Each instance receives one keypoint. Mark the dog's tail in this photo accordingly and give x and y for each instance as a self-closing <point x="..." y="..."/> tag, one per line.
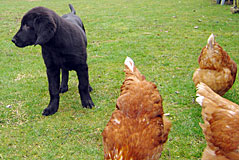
<point x="73" y="11"/>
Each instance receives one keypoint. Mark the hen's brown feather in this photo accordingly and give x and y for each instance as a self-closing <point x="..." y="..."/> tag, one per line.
<point x="221" y="125"/>
<point x="137" y="128"/>
<point x="217" y="69"/>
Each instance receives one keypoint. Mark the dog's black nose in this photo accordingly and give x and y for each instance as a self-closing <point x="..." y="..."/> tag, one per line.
<point x="14" y="40"/>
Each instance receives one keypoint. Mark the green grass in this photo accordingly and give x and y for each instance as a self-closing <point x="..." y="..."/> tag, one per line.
<point x="160" y="37"/>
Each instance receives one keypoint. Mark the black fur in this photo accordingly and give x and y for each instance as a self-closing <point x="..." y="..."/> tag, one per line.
<point x="63" y="41"/>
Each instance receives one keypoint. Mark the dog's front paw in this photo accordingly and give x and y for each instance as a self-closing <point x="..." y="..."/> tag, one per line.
<point x="88" y="104"/>
<point x="49" y="111"/>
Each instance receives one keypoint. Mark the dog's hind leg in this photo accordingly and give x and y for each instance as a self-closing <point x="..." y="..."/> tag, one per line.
<point x="64" y="81"/>
<point x="90" y="88"/>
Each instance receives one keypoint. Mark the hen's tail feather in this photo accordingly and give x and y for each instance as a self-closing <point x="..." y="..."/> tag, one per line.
<point x="210" y="41"/>
<point x="73" y="11"/>
<point x="167" y="125"/>
<point x="129" y="63"/>
<point x="131" y="70"/>
<point x="207" y="96"/>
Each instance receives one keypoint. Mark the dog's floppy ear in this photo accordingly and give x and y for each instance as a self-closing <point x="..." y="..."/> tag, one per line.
<point x="45" y="28"/>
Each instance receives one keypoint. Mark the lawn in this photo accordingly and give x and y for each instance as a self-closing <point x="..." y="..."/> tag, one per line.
<point x="163" y="37"/>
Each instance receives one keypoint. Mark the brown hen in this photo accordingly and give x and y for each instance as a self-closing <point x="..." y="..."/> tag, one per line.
<point x="217" y="69"/>
<point x="221" y="125"/>
<point x="137" y="129"/>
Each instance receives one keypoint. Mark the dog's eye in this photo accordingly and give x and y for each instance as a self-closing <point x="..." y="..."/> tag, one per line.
<point x="26" y="27"/>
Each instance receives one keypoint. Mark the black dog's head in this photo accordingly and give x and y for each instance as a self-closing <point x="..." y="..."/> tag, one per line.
<point x="38" y="26"/>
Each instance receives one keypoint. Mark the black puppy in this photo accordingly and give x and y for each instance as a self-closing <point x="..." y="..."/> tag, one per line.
<point x="63" y="42"/>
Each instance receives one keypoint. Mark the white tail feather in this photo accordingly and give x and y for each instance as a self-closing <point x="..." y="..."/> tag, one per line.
<point x="211" y="41"/>
<point x="199" y="99"/>
<point x="129" y="63"/>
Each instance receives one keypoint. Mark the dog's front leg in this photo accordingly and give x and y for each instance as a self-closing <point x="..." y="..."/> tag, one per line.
<point x="53" y="75"/>
<point x="84" y="86"/>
